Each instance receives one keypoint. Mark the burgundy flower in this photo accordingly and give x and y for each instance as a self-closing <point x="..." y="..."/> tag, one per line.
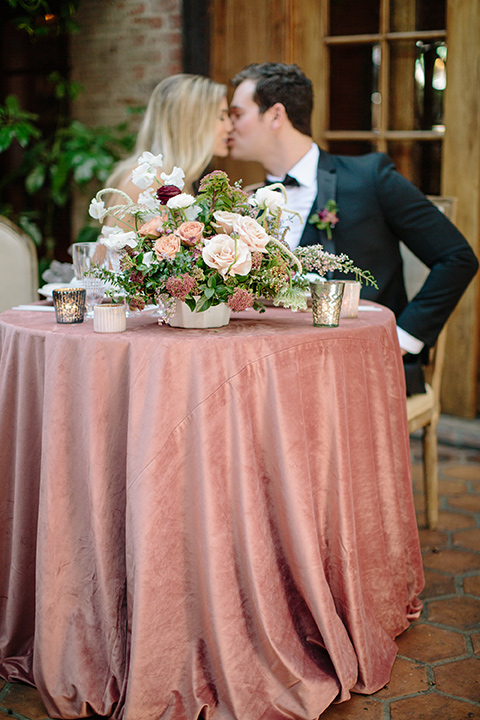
<point x="166" y="192"/>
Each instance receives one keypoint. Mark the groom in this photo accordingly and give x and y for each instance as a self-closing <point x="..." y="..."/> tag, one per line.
<point x="377" y="207"/>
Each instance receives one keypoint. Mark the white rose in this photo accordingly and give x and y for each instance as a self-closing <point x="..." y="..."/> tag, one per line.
<point x="178" y="202"/>
<point x="227" y="255"/>
<point x="252" y="233"/>
<point x="225" y="220"/>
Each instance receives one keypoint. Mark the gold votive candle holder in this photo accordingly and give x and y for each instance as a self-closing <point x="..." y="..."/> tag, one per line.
<point x="351" y="297"/>
<point x="69" y="303"/>
<point x="326" y="302"/>
<point x="109" y="318"/>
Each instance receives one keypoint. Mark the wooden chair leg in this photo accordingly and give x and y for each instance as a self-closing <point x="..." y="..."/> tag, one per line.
<point x="430" y="474"/>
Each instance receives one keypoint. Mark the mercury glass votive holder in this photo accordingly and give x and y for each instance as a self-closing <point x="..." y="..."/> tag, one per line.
<point x="326" y="302"/>
<point x="351" y="297"/>
<point x="109" y="318"/>
<point x="69" y="303"/>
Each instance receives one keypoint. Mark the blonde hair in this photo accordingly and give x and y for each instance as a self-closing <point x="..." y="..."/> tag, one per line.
<point x="179" y="123"/>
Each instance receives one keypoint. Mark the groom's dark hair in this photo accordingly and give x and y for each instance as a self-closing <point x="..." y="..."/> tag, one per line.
<point x="286" y="84"/>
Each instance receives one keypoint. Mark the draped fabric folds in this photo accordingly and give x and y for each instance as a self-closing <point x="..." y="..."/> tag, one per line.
<point x="218" y="520"/>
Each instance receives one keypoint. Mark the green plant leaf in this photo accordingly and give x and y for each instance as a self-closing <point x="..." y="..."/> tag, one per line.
<point x="7" y="136"/>
<point x="35" y="180"/>
<point x="203" y="304"/>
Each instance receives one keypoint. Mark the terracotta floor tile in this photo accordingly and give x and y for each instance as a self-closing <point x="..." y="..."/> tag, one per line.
<point x="468" y="502"/>
<point x="432" y="706"/>
<point x="460" y="612"/>
<point x="426" y="643"/>
<point x="24" y="699"/>
<point x="432" y="539"/>
<point x="461" y="679"/>
<point x="454" y="521"/>
<point x="452" y="487"/>
<point x="407" y="677"/>
<point x="452" y="561"/>
<point x="469" y="539"/>
<point x="437" y="584"/>
<point x="447" y="455"/>
<point x="471" y="585"/>
<point x="462" y="472"/>
<point x="359" y="706"/>
<point x="476" y="643"/>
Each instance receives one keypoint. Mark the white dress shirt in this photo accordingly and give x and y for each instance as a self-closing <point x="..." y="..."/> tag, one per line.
<point x="300" y="199"/>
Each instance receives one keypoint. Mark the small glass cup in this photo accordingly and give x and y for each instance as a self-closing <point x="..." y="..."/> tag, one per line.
<point x="326" y="302"/>
<point x="86" y="258"/>
<point x="69" y="303"/>
<point x="351" y="297"/>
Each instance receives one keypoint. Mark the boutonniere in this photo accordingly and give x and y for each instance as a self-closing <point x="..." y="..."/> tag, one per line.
<point x="326" y="219"/>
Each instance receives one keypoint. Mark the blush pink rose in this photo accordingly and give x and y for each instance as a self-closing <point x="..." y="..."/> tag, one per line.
<point x="153" y="228"/>
<point x="227" y="255"/>
<point x="251" y="233"/>
<point x="190" y="233"/>
<point x="167" y="245"/>
<point x="224" y="221"/>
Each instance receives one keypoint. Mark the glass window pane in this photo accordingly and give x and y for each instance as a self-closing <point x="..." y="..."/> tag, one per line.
<point x="350" y="17"/>
<point x="417" y="15"/>
<point x="420" y="162"/>
<point x="418" y="80"/>
<point x="353" y="84"/>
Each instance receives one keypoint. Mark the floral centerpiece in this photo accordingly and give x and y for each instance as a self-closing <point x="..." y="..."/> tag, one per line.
<point x="220" y="246"/>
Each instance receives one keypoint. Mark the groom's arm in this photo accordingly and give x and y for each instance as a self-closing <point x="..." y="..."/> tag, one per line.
<point x="426" y="231"/>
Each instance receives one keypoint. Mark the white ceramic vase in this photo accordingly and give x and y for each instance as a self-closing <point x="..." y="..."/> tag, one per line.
<point x="216" y="316"/>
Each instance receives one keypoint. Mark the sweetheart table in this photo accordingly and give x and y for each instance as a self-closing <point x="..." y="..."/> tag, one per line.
<point x="204" y="521"/>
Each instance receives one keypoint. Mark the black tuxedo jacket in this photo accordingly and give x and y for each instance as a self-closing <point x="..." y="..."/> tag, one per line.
<point x="378" y="207"/>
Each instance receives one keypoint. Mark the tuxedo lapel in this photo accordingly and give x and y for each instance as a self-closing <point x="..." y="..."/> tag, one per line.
<point x="326" y="190"/>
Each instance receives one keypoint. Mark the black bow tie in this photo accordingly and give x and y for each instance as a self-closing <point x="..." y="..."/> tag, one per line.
<point x="290" y="181"/>
<point x="287" y="181"/>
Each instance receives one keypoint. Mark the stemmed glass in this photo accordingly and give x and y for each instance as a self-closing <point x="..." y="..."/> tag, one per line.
<point x="86" y="257"/>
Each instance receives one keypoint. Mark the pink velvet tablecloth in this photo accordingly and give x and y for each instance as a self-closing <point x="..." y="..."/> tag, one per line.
<point x="217" y="519"/>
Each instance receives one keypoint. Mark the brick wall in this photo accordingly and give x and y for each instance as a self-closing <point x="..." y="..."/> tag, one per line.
<point x="122" y="50"/>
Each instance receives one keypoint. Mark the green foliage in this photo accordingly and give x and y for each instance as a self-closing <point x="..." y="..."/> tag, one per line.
<point x="43" y="17"/>
<point x="54" y="164"/>
<point x="16" y="124"/>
